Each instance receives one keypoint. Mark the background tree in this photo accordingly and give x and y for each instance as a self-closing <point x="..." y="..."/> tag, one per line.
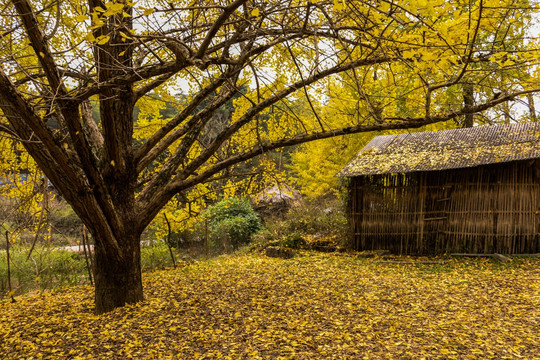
<point x="23" y="191"/>
<point x="60" y="57"/>
<point x="315" y="164"/>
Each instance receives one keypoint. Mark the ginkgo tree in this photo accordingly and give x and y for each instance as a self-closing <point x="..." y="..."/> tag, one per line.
<point x="60" y="59"/>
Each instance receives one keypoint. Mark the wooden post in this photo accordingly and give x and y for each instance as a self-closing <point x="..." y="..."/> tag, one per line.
<point x="169" y="239"/>
<point x="9" y="268"/>
<point x="206" y="236"/>
<point x="44" y="208"/>
<point x="225" y="241"/>
<point x="420" y="244"/>
<point x="84" y="240"/>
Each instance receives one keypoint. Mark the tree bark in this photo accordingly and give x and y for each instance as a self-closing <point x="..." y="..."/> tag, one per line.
<point x="468" y="101"/>
<point x="532" y="110"/>
<point x="117" y="278"/>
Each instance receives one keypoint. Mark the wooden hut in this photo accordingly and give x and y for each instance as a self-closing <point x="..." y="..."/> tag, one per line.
<point x="465" y="190"/>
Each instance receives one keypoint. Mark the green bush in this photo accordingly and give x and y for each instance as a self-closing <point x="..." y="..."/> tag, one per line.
<point x="312" y="219"/>
<point x="232" y="220"/>
<point x="155" y="256"/>
<point x="308" y="226"/>
<point x="294" y="240"/>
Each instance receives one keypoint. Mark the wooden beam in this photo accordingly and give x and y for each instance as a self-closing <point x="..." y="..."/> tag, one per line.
<point x="495" y="256"/>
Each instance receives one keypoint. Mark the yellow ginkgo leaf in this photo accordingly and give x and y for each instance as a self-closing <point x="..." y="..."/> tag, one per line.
<point x="90" y="37"/>
<point x="102" y="40"/>
<point x="148" y="12"/>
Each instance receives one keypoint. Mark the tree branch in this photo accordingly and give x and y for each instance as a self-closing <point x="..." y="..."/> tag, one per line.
<point x="253" y="111"/>
<point x="148" y="151"/>
<point x="52" y="158"/>
<point x="217" y="24"/>
<point x="39" y="44"/>
<point x="68" y="108"/>
<point x="389" y="124"/>
<point x="193" y="129"/>
<point x="145" y="89"/>
<point x="95" y="138"/>
<point x="156" y="192"/>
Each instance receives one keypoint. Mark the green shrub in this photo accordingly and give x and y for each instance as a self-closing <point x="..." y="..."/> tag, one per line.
<point x="232" y="220"/>
<point x="293" y="240"/>
<point x="155" y="256"/>
<point x="307" y="226"/>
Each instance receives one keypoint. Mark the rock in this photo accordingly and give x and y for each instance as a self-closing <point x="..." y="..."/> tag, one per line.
<point x="279" y="193"/>
<point x="278" y="252"/>
<point x="365" y="255"/>
<point x="501" y="257"/>
<point x="187" y="258"/>
<point x="277" y="199"/>
<point x="324" y="248"/>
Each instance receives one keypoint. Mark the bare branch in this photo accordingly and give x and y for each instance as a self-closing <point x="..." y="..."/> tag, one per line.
<point x="65" y="72"/>
<point x="217" y="24"/>
<point x="39" y="44"/>
<point x="143" y="157"/>
<point x="143" y="90"/>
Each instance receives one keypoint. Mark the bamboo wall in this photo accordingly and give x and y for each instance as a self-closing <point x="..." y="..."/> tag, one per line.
<point x="493" y="208"/>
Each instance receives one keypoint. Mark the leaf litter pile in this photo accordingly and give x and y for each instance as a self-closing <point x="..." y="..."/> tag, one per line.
<point x="315" y="306"/>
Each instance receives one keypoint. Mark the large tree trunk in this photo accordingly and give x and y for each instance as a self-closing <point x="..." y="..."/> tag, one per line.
<point x="118" y="278"/>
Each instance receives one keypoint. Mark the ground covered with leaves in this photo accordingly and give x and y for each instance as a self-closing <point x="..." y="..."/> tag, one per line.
<point x="311" y="306"/>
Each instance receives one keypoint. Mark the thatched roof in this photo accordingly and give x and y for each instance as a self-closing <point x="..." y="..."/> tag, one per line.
<point x="448" y="149"/>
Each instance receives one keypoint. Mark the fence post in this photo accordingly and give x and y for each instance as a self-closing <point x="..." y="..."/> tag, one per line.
<point x="85" y="242"/>
<point x="169" y="240"/>
<point x="9" y="268"/>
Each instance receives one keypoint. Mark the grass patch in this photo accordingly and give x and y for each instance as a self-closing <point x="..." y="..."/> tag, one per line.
<point x="156" y="256"/>
<point x="47" y="268"/>
<point x="312" y="306"/>
<point x="50" y="268"/>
